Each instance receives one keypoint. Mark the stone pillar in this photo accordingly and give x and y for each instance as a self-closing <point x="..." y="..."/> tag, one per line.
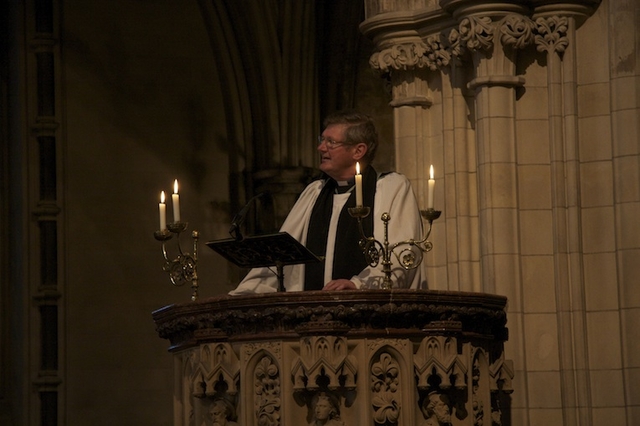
<point x="524" y="172"/>
<point x="494" y="83"/>
<point x="411" y="64"/>
<point x="555" y="28"/>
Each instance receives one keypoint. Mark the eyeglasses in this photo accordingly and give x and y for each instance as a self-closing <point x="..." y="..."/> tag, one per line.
<point x="331" y="144"/>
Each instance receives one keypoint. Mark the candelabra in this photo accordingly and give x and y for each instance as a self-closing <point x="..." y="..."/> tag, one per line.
<point x="409" y="254"/>
<point x="182" y="269"/>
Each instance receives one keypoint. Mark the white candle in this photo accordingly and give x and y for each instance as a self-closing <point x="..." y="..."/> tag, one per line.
<point x="176" y="202"/>
<point x="358" y="186"/>
<point x="432" y="184"/>
<point x="162" y="207"/>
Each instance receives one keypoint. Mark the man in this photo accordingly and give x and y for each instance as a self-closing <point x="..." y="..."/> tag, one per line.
<point x="435" y="408"/>
<point x="325" y="410"/>
<point x="221" y="412"/>
<point x="320" y="219"/>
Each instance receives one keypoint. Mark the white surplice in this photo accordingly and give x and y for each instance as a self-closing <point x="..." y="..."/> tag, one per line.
<point x="393" y="195"/>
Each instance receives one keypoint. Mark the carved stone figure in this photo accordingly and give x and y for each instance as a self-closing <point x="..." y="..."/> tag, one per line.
<point x="222" y="413"/>
<point x="326" y="410"/>
<point x="435" y="408"/>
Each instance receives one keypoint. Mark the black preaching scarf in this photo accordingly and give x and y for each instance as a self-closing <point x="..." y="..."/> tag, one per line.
<point x="348" y="258"/>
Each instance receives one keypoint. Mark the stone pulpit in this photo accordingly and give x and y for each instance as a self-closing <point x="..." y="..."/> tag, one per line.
<point x="353" y="358"/>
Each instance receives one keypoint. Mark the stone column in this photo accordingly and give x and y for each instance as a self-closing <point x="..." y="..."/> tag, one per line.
<point x="555" y="27"/>
<point x="514" y="150"/>
<point x="494" y="83"/>
<point x="412" y="66"/>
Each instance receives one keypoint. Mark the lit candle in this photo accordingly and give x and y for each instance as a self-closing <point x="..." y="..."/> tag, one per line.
<point x="163" y="212"/>
<point x="358" y="186"/>
<point x="176" y="202"/>
<point x="432" y="184"/>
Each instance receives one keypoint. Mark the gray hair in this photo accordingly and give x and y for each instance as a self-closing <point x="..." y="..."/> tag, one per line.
<point x="361" y="129"/>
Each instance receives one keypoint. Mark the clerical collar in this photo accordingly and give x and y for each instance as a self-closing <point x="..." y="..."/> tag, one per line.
<point x="343" y="186"/>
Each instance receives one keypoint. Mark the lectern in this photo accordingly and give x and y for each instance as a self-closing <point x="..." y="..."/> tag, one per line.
<point x="270" y="250"/>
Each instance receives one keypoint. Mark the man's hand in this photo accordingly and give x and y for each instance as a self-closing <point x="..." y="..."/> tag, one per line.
<point x="340" y="284"/>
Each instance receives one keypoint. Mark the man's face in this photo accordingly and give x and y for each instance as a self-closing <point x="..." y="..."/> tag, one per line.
<point x="323" y="409"/>
<point x="218" y="414"/>
<point x="337" y="162"/>
<point x="441" y="411"/>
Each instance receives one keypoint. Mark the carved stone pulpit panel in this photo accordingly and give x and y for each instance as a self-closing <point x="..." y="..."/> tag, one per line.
<point x="374" y="357"/>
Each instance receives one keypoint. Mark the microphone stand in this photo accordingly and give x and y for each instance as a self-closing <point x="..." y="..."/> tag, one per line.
<point x="237" y="220"/>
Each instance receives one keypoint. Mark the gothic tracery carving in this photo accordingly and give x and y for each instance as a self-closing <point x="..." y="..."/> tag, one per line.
<point x="438" y="356"/>
<point x="215" y="369"/>
<point x="500" y="374"/>
<point x="324" y="357"/>
<point x="274" y="348"/>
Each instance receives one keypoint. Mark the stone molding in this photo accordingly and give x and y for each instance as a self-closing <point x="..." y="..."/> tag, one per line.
<point x="354" y="312"/>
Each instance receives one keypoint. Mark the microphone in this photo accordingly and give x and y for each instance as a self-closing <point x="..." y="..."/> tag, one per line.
<point x="234" y="230"/>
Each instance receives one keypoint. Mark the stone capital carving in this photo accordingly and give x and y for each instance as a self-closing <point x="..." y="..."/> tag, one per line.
<point x="551" y="34"/>
<point x="476" y="33"/>
<point x="480" y="30"/>
<point x="517" y="31"/>
<point x="410" y="55"/>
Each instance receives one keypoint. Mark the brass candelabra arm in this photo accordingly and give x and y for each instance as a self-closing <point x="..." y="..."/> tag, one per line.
<point x="369" y="245"/>
<point x="183" y="268"/>
<point x="359" y="212"/>
<point x="430" y="215"/>
<point x="408" y="253"/>
<point x="372" y="250"/>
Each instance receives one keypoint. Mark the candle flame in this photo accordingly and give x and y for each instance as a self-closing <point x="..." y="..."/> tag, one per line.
<point x="162" y="197"/>
<point x="175" y="186"/>
<point x="357" y="168"/>
<point x="431" y="172"/>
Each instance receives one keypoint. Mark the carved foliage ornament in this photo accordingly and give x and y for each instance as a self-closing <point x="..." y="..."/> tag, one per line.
<point x="474" y="34"/>
<point x="267" y="392"/>
<point x="416" y="55"/>
<point x="385" y="387"/>
<point x="551" y="34"/>
<point x="517" y="31"/>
